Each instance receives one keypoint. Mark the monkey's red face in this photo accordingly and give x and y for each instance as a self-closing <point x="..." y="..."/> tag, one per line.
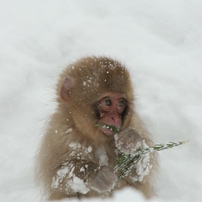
<point x="111" y="107"/>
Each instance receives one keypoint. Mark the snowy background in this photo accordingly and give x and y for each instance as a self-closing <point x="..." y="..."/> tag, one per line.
<point x="159" y="41"/>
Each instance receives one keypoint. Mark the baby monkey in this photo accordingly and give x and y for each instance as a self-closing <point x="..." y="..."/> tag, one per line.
<point x="76" y="158"/>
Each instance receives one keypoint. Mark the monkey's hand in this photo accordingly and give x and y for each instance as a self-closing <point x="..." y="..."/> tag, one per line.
<point x="104" y="180"/>
<point x="128" y="141"/>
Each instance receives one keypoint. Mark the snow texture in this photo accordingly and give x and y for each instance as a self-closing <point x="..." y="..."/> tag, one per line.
<point x="78" y="185"/>
<point x="160" y="42"/>
<point x="102" y="156"/>
<point x="75" y="183"/>
<point x="143" y="166"/>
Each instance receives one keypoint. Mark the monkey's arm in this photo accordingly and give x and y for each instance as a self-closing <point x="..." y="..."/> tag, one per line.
<point x="128" y="141"/>
<point x="71" y="179"/>
<point x="80" y="177"/>
<point x="72" y="176"/>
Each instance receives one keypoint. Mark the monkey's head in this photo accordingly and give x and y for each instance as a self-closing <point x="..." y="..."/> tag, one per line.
<point x="96" y="90"/>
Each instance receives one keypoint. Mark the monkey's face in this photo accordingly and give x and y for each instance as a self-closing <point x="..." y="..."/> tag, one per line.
<point x="111" y="107"/>
<point x="97" y="91"/>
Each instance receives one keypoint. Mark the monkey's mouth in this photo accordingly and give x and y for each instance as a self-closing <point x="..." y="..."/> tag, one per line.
<point x="107" y="129"/>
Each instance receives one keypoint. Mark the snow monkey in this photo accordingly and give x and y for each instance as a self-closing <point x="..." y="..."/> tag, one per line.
<point x="76" y="158"/>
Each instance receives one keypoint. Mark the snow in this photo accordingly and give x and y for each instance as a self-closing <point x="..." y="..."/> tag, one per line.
<point x="89" y="149"/>
<point x="143" y="167"/>
<point x="160" y="42"/>
<point x="60" y="176"/>
<point x="68" y="130"/>
<point x="78" y="185"/>
<point x="102" y="156"/>
<point x="73" y="182"/>
<point x="74" y="145"/>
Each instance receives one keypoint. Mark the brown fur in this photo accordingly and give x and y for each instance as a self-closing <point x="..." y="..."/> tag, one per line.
<point x="74" y="122"/>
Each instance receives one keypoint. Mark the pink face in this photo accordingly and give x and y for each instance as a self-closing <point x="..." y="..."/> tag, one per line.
<point x="111" y="107"/>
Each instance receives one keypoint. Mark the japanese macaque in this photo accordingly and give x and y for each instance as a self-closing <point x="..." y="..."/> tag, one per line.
<point x="76" y="158"/>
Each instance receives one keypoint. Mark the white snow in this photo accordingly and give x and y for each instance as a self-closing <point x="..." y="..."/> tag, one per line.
<point x="78" y="185"/>
<point x="143" y="167"/>
<point x="73" y="182"/>
<point x="89" y="149"/>
<point x="61" y="173"/>
<point x="74" y="145"/>
<point x="102" y="156"/>
<point x="160" y="42"/>
<point x="68" y="130"/>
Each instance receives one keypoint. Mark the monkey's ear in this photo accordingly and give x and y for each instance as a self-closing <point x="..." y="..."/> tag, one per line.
<point x="68" y="84"/>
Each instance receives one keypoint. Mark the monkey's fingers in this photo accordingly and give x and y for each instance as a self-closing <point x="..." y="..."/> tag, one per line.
<point x="128" y="141"/>
<point x="104" y="181"/>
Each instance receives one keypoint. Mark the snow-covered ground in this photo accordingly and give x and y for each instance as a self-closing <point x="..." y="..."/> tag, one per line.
<point x="160" y="42"/>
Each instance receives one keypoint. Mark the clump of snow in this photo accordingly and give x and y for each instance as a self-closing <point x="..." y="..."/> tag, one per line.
<point x="116" y="137"/>
<point x="72" y="153"/>
<point x="103" y="160"/>
<point x="140" y="145"/>
<point x="61" y="173"/>
<point x="89" y="149"/>
<point x="72" y="181"/>
<point x="74" y="145"/>
<point x="78" y="185"/>
<point x="68" y="130"/>
<point x="143" y="167"/>
<point x="102" y="156"/>
<point x="82" y="169"/>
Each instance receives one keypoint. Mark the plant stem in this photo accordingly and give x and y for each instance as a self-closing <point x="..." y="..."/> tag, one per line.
<point x="113" y="128"/>
<point x="126" y="162"/>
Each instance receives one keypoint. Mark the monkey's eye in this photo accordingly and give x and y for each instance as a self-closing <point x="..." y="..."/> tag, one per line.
<point x="121" y="103"/>
<point x="107" y="102"/>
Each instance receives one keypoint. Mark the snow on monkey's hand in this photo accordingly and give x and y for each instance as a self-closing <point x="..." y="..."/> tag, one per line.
<point x="128" y="141"/>
<point x="104" y="180"/>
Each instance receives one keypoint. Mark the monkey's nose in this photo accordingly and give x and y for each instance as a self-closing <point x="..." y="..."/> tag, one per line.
<point x="115" y="119"/>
